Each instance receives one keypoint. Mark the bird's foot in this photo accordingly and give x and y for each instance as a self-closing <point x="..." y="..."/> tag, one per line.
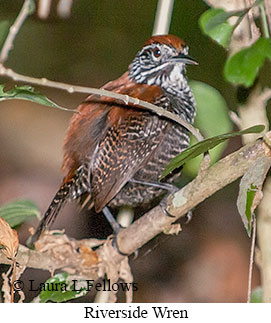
<point x="116" y="229"/>
<point x="116" y="246"/>
<point x="163" y="205"/>
<point x="171" y="189"/>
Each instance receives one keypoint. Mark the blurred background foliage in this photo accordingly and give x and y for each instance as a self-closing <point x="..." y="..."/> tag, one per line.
<point x="208" y="260"/>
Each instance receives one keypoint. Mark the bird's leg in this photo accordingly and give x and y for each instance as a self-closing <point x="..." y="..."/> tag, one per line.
<point x="112" y="221"/>
<point x="170" y="188"/>
<point x="165" y="186"/>
<point x="116" y="228"/>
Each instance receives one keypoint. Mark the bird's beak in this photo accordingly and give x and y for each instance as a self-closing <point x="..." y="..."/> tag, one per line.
<point x="182" y="58"/>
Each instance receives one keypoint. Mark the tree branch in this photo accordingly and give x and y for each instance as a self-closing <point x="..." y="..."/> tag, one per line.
<point x="14" y="29"/>
<point x="89" y="90"/>
<point x="59" y="252"/>
<point x="163" y="17"/>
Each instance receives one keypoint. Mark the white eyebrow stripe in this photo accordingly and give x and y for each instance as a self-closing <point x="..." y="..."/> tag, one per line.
<point x="155" y="69"/>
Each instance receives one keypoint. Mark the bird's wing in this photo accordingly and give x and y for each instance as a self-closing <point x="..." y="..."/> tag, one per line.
<point x="115" y="137"/>
<point x="125" y="148"/>
<point x="88" y="126"/>
<point x="132" y="137"/>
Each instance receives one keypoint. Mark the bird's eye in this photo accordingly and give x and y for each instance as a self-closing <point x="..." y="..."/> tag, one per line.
<point x="156" y="52"/>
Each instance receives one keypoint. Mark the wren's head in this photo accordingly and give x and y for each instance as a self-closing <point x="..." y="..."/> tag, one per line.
<point x="162" y="62"/>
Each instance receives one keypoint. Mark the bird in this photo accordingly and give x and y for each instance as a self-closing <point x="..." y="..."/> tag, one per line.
<point x="115" y="152"/>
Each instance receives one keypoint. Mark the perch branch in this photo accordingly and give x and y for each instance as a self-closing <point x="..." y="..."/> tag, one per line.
<point x="155" y="221"/>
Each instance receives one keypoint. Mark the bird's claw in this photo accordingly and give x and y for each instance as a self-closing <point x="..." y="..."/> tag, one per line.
<point x="163" y="205"/>
<point x="116" y="246"/>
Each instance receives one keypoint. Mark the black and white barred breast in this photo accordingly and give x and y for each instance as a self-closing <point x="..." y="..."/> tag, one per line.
<point x="174" y="140"/>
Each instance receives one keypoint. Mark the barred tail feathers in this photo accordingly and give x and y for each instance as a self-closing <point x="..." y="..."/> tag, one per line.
<point x="70" y="190"/>
<point x="50" y="215"/>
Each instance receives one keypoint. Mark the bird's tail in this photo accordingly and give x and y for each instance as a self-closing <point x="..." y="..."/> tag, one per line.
<point x="50" y="215"/>
<point x="77" y="186"/>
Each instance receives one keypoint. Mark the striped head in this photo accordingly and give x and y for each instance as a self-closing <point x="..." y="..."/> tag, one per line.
<point x="161" y="62"/>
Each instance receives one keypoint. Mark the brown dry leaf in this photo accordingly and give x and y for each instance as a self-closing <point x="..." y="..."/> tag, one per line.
<point x="126" y="275"/>
<point x="90" y="256"/>
<point x="114" y="270"/>
<point x="8" y="239"/>
<point x="173" y="229"/>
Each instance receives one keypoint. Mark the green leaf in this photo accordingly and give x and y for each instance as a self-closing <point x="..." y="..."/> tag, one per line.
<point x="213" y="23"/>
<point x="257" y="3"/>
<point x="60" y="288"/>
<point x="203" y="146"/>
<point x="250" y="191"/>
<point x="18" y="212"/>
<point x="257" y="295"/>
<point x="248" y="211"/>
<point x="212" y="119"/>
<point x="242" y="68"/>
<point x="4" y="28"/>
<point x="28" y="93"/>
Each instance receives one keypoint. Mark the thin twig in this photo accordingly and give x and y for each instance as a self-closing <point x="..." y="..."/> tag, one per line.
<point x="163" y="17"/>
<point x="44" y="8"/>
<point x="72" y="88"/>
<point x="235" y="119"/>
<point x="14" y="29"/>
<point x="264" y="22"/>
<point x="251" y="259"/>
<point x="82" y="89"/>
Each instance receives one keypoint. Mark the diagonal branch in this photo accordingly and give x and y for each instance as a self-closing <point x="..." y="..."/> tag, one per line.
<point x="89" y="90"/>
<point x="4" y="71"/>
<point x="155" y="221"/>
